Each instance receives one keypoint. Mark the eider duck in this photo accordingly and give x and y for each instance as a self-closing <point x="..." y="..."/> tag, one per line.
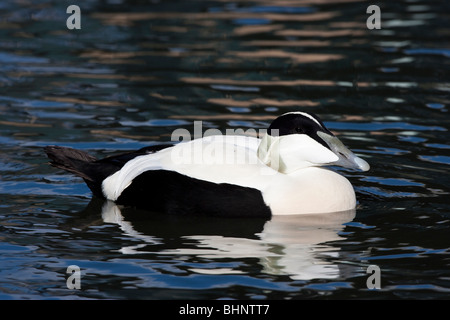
<point x="282" y="173"/>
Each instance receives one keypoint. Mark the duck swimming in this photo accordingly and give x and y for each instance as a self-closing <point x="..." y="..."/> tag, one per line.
<point x="282" y="173"/>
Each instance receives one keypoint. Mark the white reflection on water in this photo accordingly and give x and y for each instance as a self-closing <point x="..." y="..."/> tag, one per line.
<point x="112" y="214"/>
<point x="287" y="245"/>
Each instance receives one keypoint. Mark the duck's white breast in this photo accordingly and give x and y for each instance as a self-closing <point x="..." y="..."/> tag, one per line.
<point x="310" y="190"/>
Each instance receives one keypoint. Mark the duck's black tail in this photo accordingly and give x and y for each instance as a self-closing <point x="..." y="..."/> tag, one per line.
<point x="82" y="164"/>
<point x="93" y="171"/>
<point x="72" y="160"/>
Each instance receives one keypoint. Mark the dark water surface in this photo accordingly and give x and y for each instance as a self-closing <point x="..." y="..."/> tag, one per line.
<point x="136" y="71"/>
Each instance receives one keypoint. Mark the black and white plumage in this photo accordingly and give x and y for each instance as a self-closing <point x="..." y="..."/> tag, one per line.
<point x="232" y="175"/>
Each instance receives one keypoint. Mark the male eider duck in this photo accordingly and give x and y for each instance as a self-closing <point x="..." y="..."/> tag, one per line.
<point x="233" y="175"/>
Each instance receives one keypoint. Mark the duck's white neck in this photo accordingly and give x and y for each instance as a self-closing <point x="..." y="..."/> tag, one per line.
<point x="293" y="152"/>
<point x="269" y="153"/>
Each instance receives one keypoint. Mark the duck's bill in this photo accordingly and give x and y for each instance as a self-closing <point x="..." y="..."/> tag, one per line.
<point x="347" y="159"/>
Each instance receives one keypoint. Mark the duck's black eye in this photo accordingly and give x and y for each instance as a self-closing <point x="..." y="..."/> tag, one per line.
<point x="299" y="130"/>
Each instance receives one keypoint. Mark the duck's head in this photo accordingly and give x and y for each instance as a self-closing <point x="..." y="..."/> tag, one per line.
<point x="297" y="140"/>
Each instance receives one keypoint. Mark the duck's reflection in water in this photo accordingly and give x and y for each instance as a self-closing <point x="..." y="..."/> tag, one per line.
<point x="284" y="245"/>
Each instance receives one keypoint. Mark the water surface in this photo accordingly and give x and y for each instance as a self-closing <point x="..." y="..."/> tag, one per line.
<point x="137" y="71"/>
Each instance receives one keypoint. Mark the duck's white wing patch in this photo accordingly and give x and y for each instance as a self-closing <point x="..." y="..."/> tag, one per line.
<point x="113" y="186"/>
<point x="219" y="159"/>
